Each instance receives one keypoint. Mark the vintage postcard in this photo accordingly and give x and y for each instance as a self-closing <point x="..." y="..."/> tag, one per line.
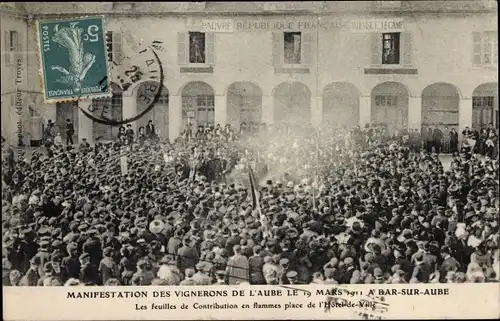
<point x="310" y="160"/>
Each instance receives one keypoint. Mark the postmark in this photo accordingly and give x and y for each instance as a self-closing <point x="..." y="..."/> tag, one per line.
<point x="145" y="65"/>
<point x="73" y="58"/>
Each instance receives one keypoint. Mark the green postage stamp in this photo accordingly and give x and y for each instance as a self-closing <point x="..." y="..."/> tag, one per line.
<point x="73" y="58"/>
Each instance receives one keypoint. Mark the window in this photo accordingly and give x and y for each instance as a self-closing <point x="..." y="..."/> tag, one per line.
<point x="114" y="47"/>
<point x="197" y="47"/>
<point x="482" y="110"/>
<point x="490" y="46"/>
<point x="386" y="101"/>
<point x="204" y="102"/>
<point x="485" y="48"/>
<point x="390" y="48"/>
<point x="292" y="48"/>
<point x="11" y="46"/>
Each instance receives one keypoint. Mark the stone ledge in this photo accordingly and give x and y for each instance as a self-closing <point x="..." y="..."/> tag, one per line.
<point x="282" y="70"/>
<point x="197" y="70"/>
<point x="391" y="71"/>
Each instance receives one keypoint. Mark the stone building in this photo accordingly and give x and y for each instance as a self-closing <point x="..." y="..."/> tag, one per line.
<point x="404" y="63"/>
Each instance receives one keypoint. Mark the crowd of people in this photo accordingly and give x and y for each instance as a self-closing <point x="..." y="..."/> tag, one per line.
<point x="329" y="205"/>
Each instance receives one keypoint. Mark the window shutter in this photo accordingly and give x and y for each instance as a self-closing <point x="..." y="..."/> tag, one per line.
<point x="376" y="57"/>
<point x="210" y="48"/>
<point x="278" y="48"/>
<point x="6" y="48"/>
<point x="307" y="48"/>
<point x="407" y="48"/>
<point x="476" y="54"/>
<point x="181" y="48"/>
<point x="117" y="47"/>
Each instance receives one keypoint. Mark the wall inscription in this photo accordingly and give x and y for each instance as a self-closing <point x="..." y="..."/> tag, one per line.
<point x="359" y="25"/>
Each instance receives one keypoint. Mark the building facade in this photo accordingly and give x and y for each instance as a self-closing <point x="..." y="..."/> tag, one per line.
<point x="407" y="64"/>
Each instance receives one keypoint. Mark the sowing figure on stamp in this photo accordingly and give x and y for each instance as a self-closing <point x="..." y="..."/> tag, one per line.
<point x="79" y="61"/>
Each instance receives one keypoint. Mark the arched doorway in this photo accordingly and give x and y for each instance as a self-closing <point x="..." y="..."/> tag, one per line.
<point x="292" y="103"/>
<point x="485" y="106"/>
<point x="390" y="105"/>
<point x="197" y="104"/>
<point x="244" y="104"/>
<point x="440" y="106"/>
<point x="159" y="113"/>
<point x="341" y="104"/>
<point x="65" y="111"/>
<point x="109" y="107"/>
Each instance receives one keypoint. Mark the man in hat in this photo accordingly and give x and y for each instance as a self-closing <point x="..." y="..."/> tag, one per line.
<point x="70" y="265"/>
<point x="49" y="278"/>
<point x="292" y="277"/>
<point x="255" y="265"/>
<point x="107" y="267"/>
<point x="150" y="130"/>
<point x="188" y="280"/>
<point x="422" y="271"/>
<point x="70" y="131"/>
<point x="220" y="276"/>
<point x="237" y="269"/>
<point x="450" y="264"/>
<point x="144" y="274"/>
<point x="174" y="243"/>
<point x="43" y="255"/>
<point x="32" y="276"/>
<point x="330" y="276"/>
<point x="89" y="274"/>
<point x="187" y="256"/>
<point x="233" y="240"/>
<point x="201" y="277"/>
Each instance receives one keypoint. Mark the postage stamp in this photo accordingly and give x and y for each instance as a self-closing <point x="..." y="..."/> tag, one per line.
<point x="73" y="58"/>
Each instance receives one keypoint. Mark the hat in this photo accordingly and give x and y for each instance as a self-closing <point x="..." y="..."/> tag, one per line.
<point x="291" y="274"/>
<point x="284" y="261"/>
<point x="156" y="226"/>
<point x="201" y="266"/>
<point x="84" y="256"/>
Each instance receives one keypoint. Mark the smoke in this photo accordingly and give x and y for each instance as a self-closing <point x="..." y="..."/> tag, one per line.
<point x="294" y="150"/>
